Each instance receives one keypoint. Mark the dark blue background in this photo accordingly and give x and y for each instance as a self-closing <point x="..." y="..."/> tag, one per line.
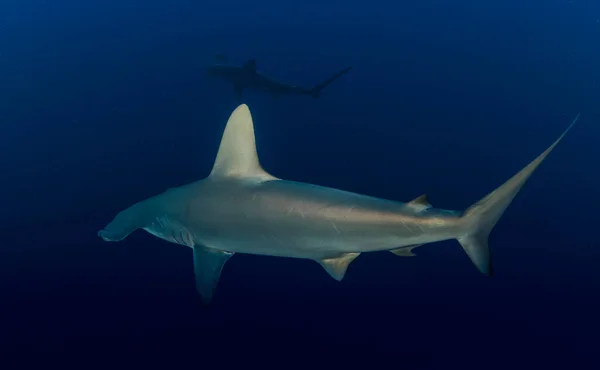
<point x="105" y="103"/>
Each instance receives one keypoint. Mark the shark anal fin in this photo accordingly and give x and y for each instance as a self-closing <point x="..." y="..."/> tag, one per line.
<point x="208" y="264"/>
<point x="336" y="267"/>
<point x="420" y="203"/>
<point x="405" y="251"/>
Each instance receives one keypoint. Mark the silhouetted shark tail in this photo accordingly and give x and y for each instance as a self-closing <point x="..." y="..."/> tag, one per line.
<point x="480" y="218"/>
<point x="315" y="92"/>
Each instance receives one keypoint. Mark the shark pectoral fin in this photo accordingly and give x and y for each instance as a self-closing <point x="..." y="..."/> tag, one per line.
<point x="420" y="203"/>
<point x="405" y="251"/>
<point x="208" y="264"/>
<point x="336" y="267"/>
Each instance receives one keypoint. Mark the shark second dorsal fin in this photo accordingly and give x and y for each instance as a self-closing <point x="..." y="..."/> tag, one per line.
<point x="420" y="203"/>
<point x="237" y="155"/>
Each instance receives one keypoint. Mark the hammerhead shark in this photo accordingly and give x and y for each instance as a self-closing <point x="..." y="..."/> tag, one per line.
<point x="247" y="77"/>
<point x="241" y="208"/>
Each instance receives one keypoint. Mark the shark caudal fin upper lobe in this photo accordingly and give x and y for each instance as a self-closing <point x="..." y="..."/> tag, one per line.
<point x="482" y="216"/>
<point x="315" y="92"/>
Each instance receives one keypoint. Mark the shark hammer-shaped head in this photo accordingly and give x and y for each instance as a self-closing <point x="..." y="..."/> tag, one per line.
<point x="126" y="222"/>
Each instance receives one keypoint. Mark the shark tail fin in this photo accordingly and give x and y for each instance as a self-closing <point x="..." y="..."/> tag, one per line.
<point x="315" y="92"/>
<point x="481" y="217"/>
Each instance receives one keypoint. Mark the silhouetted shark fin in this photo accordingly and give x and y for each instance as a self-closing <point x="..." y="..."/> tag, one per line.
<point x="336" y="267"/>
<point x="250" y="66"/>
<point x="316" y="91"/>
<point x="405" y="251"/>
<point x="420" y="203"/>
<point x="481" y="217"/>
<point x="208" y="264"/>
<point x="237" y="155"/>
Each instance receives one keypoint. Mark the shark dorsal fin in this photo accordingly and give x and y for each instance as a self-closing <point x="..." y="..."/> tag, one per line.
<point x="237" y="155"/>
<point x="420" y="203"/>
<point x="250" y="65"/>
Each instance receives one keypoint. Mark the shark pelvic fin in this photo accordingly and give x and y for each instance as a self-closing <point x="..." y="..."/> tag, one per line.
<point x="405" y="251"/>
<point x="208" y="264"/>
<point x="237" y="155"/>
<point x="420" y="203"/>
<point x="336" y="267"/>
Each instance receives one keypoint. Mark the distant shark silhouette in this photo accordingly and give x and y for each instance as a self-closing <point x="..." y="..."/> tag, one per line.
<point x="240" y="208"/>
<point x="247" y="77"/>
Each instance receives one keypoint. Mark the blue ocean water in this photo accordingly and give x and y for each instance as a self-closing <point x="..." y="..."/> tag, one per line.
<point x="106" y="103"/>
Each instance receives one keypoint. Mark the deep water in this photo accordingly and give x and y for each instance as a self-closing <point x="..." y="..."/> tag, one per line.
<point x="105" y="103"/>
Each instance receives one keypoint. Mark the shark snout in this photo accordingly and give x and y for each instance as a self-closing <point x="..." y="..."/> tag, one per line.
<point x="114" y="233"/>
<point x="106" y="236"/>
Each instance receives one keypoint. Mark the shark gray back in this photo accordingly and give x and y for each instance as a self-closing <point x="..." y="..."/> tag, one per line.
<point x="241" y="208"/>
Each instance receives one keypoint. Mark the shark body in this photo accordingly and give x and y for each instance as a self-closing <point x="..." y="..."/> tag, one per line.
<point x="241" y="208"/>
<point x="247" y="77"/>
